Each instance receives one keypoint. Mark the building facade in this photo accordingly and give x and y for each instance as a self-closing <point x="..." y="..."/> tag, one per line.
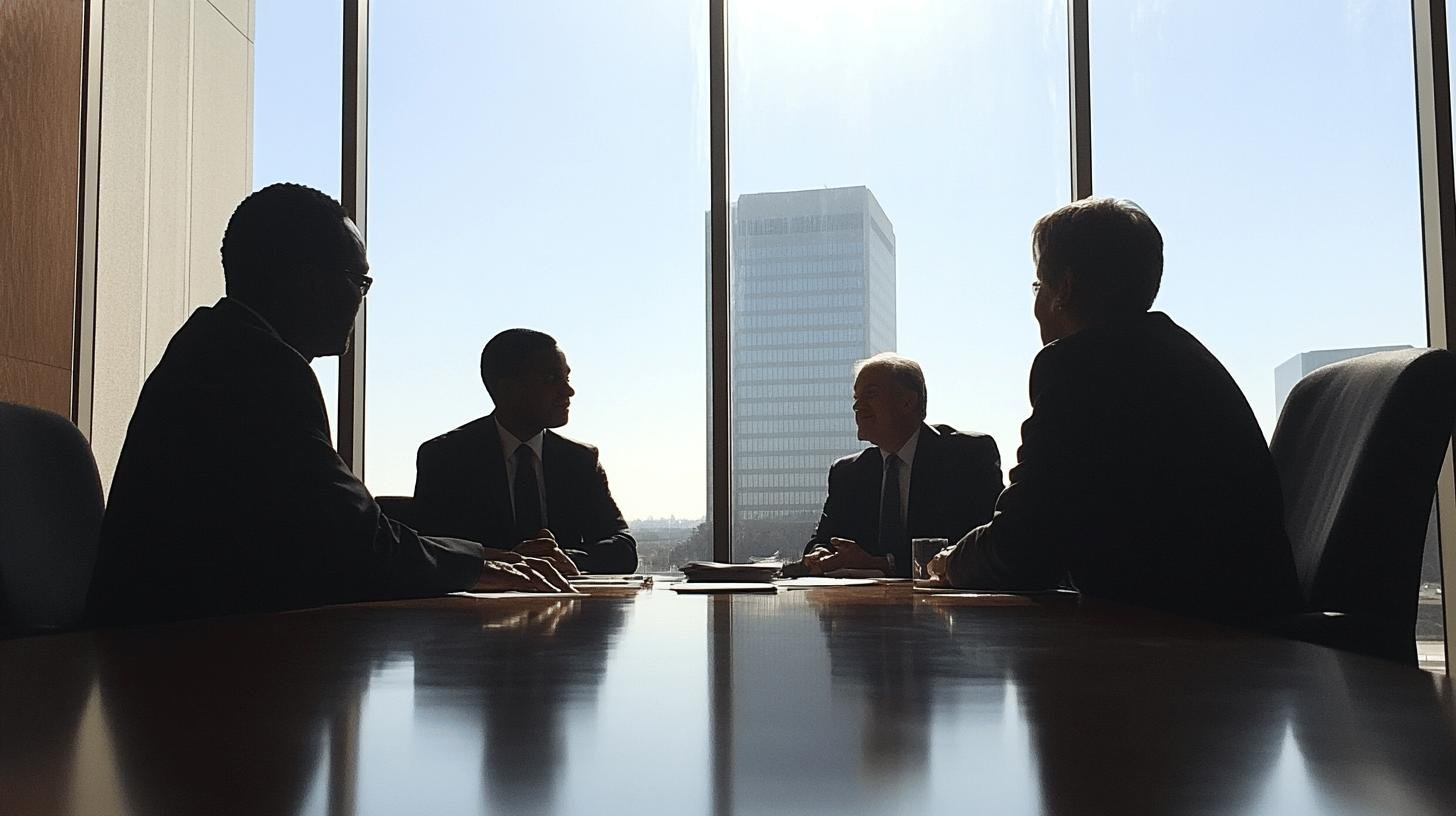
<point x="813" y="292"/>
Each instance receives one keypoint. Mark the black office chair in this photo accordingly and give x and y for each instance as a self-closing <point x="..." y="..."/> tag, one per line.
<point x="1358" y="447"/>
<point x="401" y="509"/>
<point x="50" y="520"/>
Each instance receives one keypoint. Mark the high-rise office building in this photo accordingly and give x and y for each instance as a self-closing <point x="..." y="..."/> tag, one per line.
<point x="813" y="292"/>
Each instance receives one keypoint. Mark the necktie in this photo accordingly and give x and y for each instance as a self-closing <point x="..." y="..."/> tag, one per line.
<point x="892" y="529"/>
<point x="527" y="494"/>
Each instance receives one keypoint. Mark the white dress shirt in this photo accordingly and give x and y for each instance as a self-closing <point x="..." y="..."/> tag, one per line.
<point x="509" y="443"/>
<point x="907" y="461"/>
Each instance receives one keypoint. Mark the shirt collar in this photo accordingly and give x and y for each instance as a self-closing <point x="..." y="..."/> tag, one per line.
<point x="906" y="451"/>
<point x="509" y="442"/>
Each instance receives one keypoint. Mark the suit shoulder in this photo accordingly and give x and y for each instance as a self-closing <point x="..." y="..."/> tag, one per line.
<point x="850" y="460"/>
<point x="967" y="443"/>
<point x="457" y="437"/>
<point x="572" y="447"/>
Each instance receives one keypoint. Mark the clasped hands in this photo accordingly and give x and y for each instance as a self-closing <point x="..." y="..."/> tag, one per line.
<point x="536" y="565"/>
<point x="842" y="553"/>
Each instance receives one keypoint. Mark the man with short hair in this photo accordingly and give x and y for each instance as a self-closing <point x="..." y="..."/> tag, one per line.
<point x="229" y="495"/>
<point x="918" y="481"/>
<point x="510" y="481"/>
<point x="1142" y="476"/>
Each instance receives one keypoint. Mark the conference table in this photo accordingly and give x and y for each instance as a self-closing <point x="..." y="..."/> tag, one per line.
<point x="864" y="699"/>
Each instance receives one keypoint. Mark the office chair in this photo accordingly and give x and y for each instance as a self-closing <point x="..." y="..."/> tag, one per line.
<point x="1358" y="447"/>
<point x="50" y="520"/>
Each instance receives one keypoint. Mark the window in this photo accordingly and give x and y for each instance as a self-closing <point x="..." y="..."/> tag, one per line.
<point x="888" y="162"/>
<point x="544" y="165"/>
<point x="298" y="74"/>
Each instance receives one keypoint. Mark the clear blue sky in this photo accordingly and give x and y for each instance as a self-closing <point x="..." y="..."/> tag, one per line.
<point x="545" y="164"/>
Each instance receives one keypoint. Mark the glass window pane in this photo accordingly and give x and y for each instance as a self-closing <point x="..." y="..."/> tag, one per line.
<point x="298" y="81"/>
<point x="544" y="165"/>
<point x="1277" y="153"/>
<point x="888" y="161"/>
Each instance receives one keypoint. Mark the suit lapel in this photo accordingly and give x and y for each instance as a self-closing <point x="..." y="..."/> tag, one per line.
<point x="922" y="479"/>
<point x="557" y="501"/>
<point x="494" y="496"/>
<point x="872" y="471"/>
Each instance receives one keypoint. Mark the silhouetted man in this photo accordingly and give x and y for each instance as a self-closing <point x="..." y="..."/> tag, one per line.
<point x="1142" y="475"/>
<point x="229" y="495"/>
<point x="507" y="480"/>
<point x="918" y="481"/>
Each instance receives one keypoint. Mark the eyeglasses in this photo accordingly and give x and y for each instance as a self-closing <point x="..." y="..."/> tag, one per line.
<point x="361" y="281"/>
<point x="1035" y="286"/>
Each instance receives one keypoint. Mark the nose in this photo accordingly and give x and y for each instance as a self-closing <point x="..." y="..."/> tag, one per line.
<point x="570" y="392"/>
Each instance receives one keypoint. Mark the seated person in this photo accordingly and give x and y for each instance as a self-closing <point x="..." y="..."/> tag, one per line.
<point x="1142" y="476"/>
<point x="508" y="481"/>
<point x="229" y="495"/>
<point x="941" y="484"/>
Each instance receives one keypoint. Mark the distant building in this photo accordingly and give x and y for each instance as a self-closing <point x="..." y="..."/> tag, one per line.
<point x="1297" y="367"/>
<point x="813" y="292"/>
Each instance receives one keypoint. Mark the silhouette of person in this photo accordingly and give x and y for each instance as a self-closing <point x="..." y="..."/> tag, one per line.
<point x="508" y="480"/>
<point x="942" y="484"/>
<point x="1142" y="475"/>
<point x="518" y="677"/>
<point x="229" y="495"/>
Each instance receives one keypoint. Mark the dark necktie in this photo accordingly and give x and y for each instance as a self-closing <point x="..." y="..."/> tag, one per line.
<point x="527" y="493"/>
<point x="892" y="530"/>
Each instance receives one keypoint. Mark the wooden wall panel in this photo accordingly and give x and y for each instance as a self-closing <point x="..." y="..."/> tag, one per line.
<point x="40" y="131"/>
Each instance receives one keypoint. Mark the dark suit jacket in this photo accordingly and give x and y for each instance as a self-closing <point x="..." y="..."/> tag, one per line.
<point x="230" y="497"/>
<point x="954" y="480"/>
<point x="1142" y="476"/>
<point x="460" y="490"/>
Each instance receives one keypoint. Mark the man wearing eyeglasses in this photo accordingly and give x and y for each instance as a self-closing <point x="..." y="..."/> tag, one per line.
<point x="229" y="495"/>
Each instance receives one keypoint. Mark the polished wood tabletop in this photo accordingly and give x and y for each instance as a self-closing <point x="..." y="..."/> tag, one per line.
<point x="839" y="700"/>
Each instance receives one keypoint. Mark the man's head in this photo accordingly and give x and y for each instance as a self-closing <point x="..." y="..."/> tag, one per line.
<point x="292" y="254"/>
<point x="528" y="379"/>
<point x="1098" y="260"/>
<point x="889" y="399"/>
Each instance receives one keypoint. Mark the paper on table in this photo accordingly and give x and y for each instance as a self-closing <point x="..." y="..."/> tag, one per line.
<point x="719" y="571"/>
<point x="494" y="595"/>
<point x="972" y="592"/>
<point x="855" y="573"/>
<point x="823" y="581"/>
<point x="723" y="586"/>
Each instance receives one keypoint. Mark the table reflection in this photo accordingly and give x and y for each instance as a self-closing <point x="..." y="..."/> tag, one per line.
<point x="520" y="678"/>
<point x="196" y="727"/>
<point x="826" y="701"/>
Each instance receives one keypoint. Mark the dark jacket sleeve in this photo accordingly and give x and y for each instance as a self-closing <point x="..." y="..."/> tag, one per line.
<point x="985" y="483"/>
<point x="1023" y="546"/>
<point x="358" y="552"/>
<point x="610" y="545"/>
<point x="835" y="516"/>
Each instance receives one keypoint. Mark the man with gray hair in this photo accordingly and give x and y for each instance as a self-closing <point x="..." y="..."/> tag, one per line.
<point x="917" y="481"/>
<point x="1142" y="475"/>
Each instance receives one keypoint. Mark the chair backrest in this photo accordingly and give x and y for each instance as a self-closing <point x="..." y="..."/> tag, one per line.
<point x="1358" y="447"/>
<point x="50" y="519"/>
<point x="399" y="508"/>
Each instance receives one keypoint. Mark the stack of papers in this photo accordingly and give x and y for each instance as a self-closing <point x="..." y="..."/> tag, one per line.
<point x="630" y="581"/>
<point x="718" y="572"/>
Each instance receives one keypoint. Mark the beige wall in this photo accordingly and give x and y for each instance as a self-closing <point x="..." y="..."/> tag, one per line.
<point x="176" y="157"/>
